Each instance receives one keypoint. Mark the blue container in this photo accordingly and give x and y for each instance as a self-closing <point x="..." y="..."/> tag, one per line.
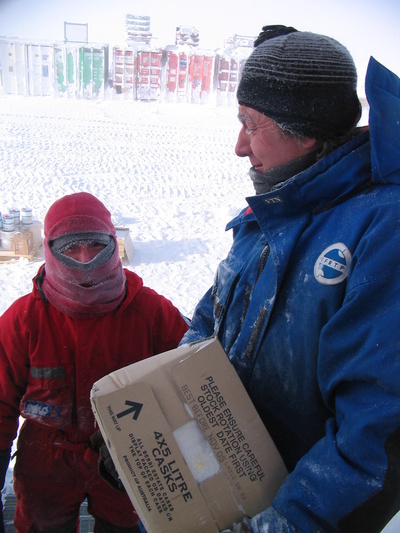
<point x="26" y="216"/>
<point x="15" y="212"/>
<point x="8" y="222"/>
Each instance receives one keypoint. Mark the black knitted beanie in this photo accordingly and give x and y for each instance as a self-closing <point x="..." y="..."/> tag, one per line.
<point x="305" y="82"/>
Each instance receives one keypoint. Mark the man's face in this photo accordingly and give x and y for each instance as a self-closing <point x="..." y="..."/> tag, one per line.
<point x="84" y="252"/>
<point x="264" y="143"/>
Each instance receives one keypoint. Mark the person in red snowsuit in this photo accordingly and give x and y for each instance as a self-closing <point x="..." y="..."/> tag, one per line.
<point x="86" y="317"/>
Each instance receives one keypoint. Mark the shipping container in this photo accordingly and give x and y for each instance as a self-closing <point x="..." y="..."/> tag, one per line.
<point x="123" y="73"/>
<point x="200" y="76"/>
<point x="93" y="68"/>
<point x="148" y="74"/>
<point x="176" y="76"/>
<point x="13" y="59"/>
<point x="65" y="70"/>
<point x="80" y="71"/>
<point x="227" y="71"/>
<point x="40" y="63"/>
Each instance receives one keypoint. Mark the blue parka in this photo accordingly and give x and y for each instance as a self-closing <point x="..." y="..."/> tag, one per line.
<point x="307" y="307"/>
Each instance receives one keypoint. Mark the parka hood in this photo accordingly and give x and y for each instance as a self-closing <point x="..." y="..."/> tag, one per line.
<point x="382" y="89"/>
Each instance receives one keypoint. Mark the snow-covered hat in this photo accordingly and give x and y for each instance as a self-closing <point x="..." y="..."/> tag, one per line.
<point x="79" y="218"/>
<point x="305" y="82"/>
<point x="77" y="213"/>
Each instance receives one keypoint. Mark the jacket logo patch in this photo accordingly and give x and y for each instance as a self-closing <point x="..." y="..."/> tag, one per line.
<point x="42" y="409"/>
<point x="332" y="266"/>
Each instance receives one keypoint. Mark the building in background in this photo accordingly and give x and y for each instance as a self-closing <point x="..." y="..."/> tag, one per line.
<point x="180" y="72"/>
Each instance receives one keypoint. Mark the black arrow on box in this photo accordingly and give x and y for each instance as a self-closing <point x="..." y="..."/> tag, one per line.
<point x="134" y="408"/>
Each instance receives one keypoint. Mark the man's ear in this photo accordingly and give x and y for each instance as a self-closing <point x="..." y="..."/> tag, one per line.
<point x="309" y="143"/>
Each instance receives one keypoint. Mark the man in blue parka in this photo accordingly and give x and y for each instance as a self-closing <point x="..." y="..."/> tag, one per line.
<point x="307" y="302"/>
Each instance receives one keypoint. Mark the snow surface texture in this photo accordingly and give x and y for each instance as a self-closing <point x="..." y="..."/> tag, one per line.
<point x="167" y="172"/>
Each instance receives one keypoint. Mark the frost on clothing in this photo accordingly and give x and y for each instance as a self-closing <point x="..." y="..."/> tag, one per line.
<point x="306" y="306"/>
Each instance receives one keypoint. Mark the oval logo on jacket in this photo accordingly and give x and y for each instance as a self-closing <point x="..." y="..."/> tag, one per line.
<point x="332" y="266"/>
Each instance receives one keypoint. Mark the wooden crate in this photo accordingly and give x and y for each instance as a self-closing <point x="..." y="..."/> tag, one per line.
<point x="6" y="255"/>
<point x="125" y="245"/>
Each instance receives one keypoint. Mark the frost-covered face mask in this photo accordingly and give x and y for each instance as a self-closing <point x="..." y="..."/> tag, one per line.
<point x="83" y="251"/>
<point x="81" y="288"/>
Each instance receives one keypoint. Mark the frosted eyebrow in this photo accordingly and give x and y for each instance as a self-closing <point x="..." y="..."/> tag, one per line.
<point x="243" y="117"/>
<point x="247" y="122"/>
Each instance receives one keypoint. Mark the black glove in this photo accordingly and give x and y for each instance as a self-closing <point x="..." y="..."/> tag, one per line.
<point x="106" y="465"/>
<point x="4" y="462"/>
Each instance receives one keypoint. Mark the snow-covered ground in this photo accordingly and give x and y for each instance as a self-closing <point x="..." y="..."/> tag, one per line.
<point x="167" y="172"/>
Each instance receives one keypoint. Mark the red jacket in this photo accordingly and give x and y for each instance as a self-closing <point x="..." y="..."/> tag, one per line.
<point x="49" y="361"/>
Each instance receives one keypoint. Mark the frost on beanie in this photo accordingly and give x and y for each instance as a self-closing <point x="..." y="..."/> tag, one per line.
<point x="305" y="82"/>
<point x="81" y="289"/>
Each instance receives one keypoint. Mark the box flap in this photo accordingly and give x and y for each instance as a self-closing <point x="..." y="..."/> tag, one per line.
<point x="149" y="462"/>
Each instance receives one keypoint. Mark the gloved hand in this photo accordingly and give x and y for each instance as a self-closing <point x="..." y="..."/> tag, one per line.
<point x="241" y="527"/>
<point x="106" y="465"/>
<point x="4" y="462"/>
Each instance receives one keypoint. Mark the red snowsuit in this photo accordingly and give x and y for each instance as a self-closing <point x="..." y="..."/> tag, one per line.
<point x="48" y="363"/>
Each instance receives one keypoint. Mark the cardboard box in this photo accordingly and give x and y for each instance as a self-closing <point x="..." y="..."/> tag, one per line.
<point x="23" y="242"/>
<point x="187" y="441"/>
<point x="125" y="245"/>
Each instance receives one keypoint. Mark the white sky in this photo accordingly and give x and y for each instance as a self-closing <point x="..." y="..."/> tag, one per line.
<point x="365" y="27"/>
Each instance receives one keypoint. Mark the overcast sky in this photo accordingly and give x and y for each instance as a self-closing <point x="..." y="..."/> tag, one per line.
<point x="365" y="27"/>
